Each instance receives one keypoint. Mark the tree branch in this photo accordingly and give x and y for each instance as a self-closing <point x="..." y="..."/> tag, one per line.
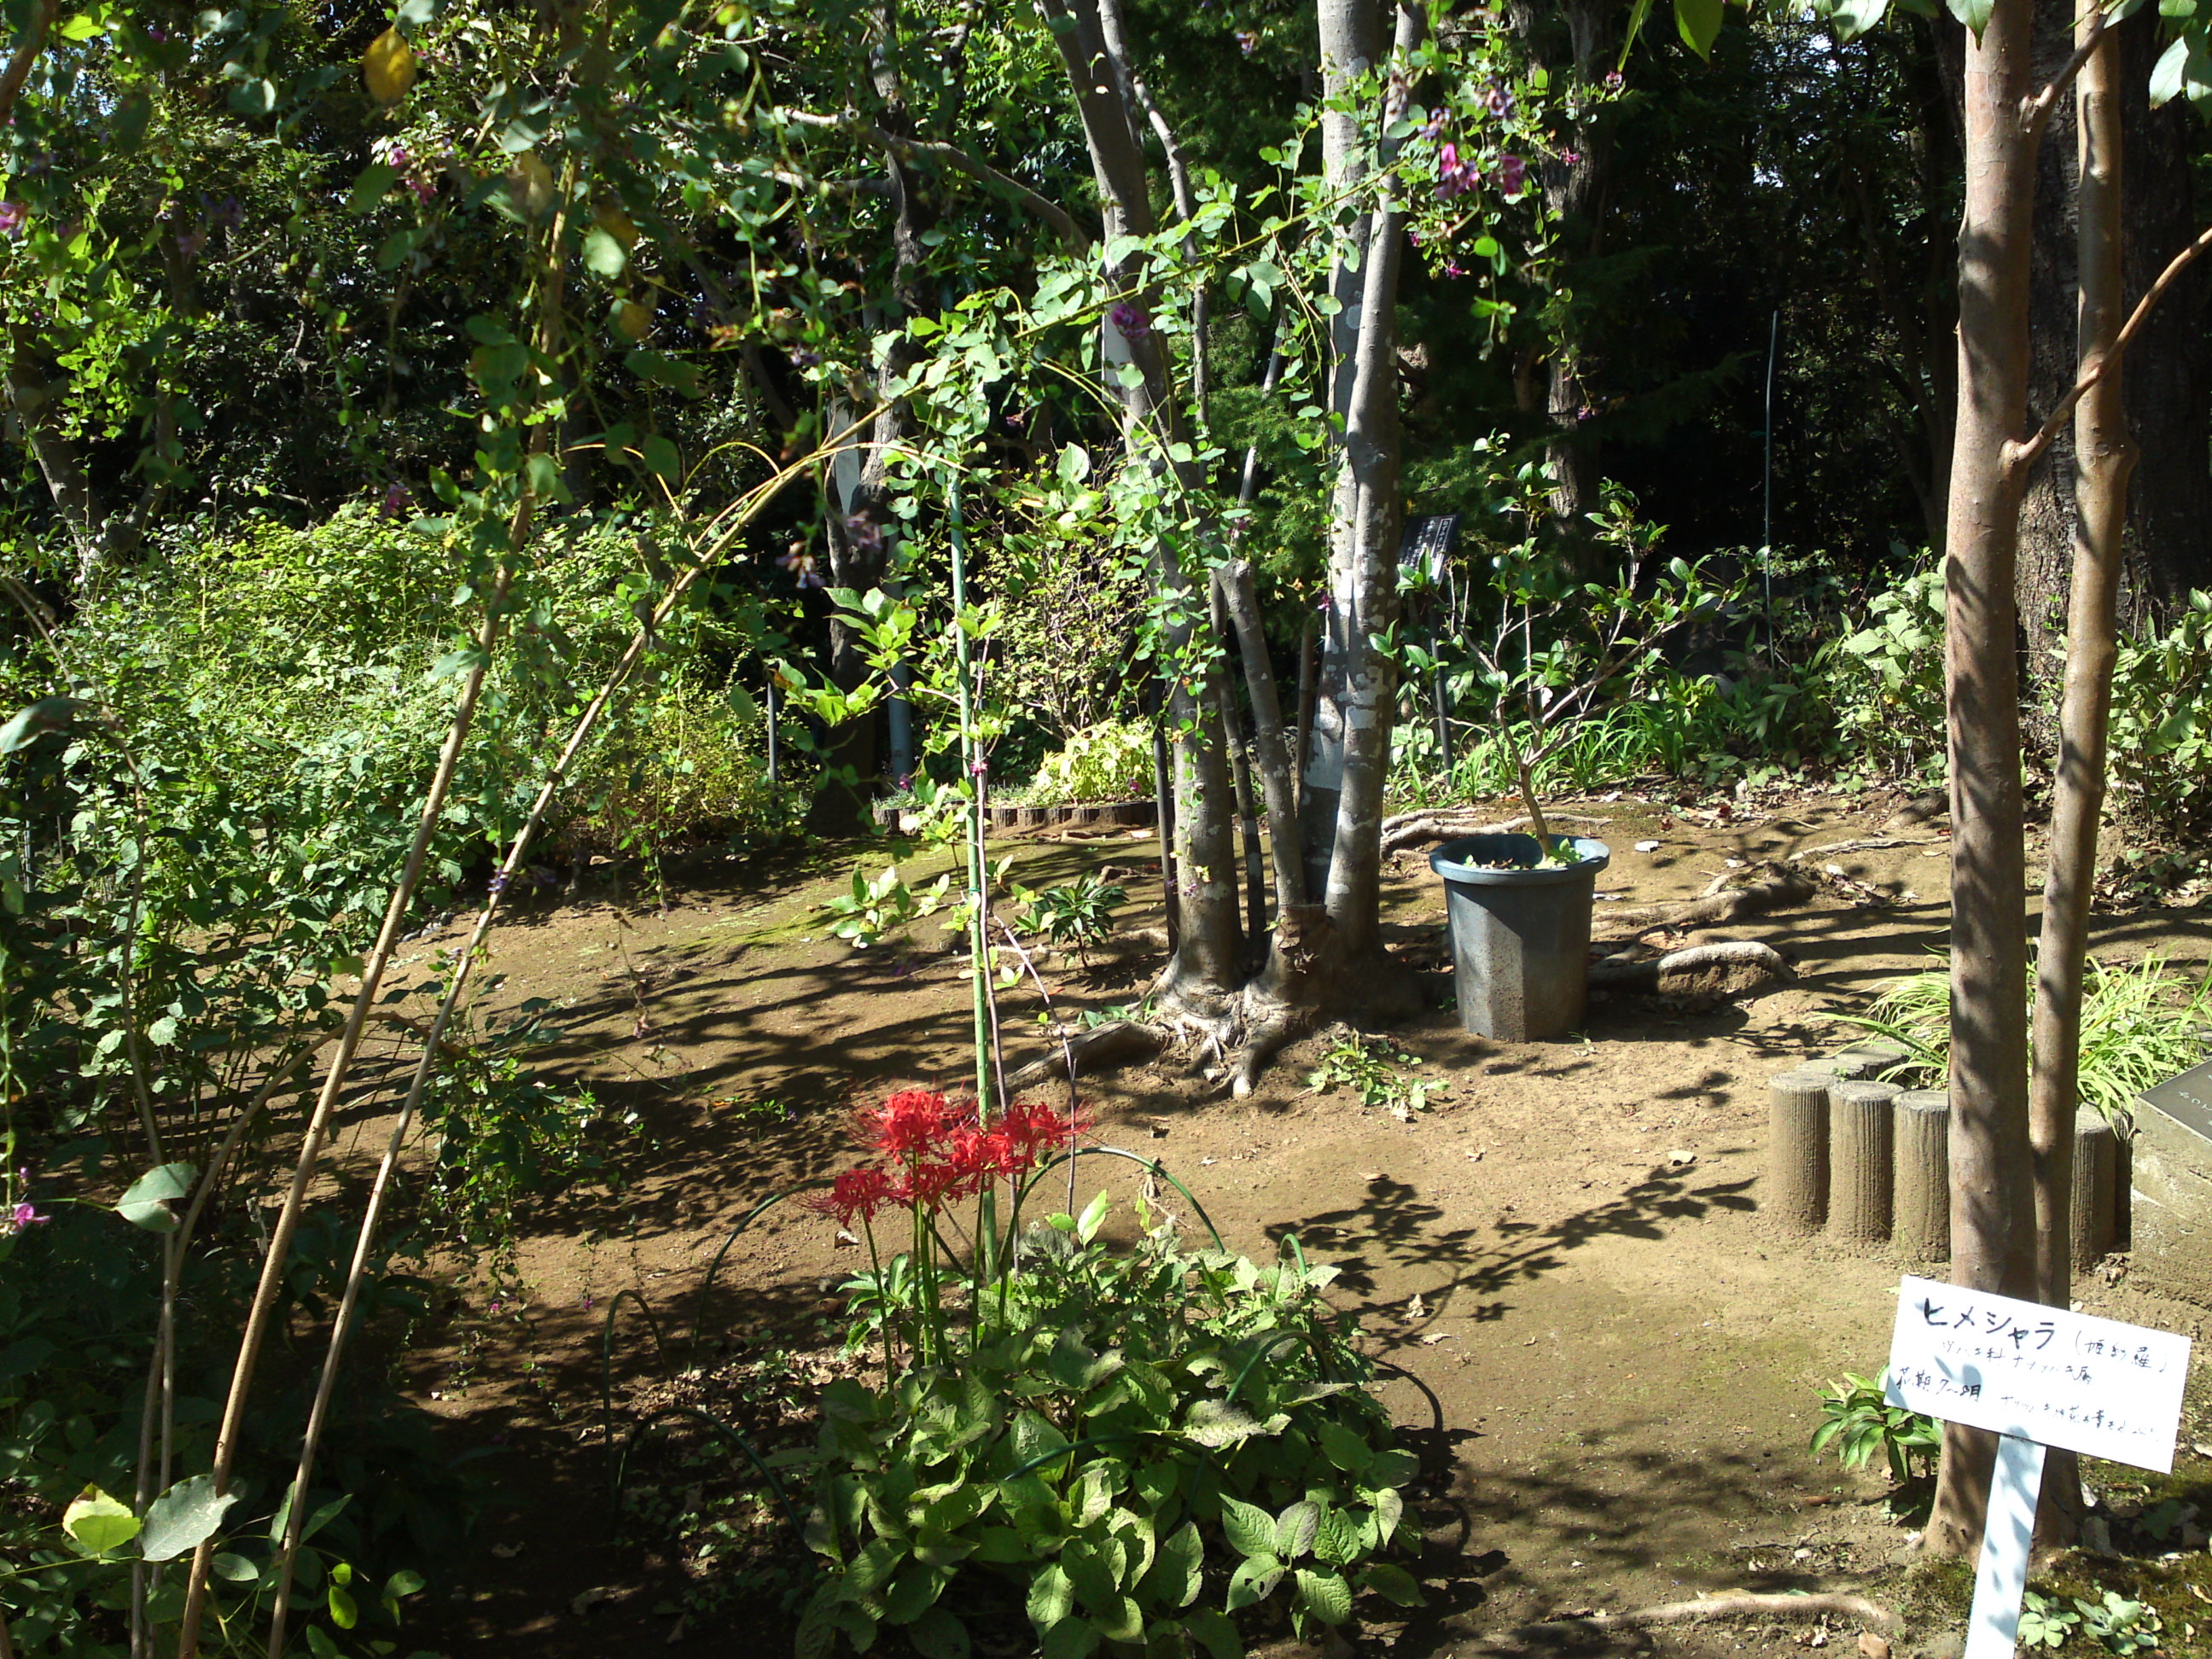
<point x="2039" y="108"/>
<point x="19" y="66"/>
<point x="953" y="156"/>
<point x="2018" y="457"/>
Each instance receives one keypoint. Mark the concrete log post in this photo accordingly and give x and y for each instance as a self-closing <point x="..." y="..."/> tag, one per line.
<point x="1921" y="1227"/>
<point x="2095" y="1188"/>
<point x="1797" y="1149"/>
<point x="1860" y="1168"/>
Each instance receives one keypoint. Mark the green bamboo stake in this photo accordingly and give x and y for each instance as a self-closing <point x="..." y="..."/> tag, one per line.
<point x="971" y="754"/>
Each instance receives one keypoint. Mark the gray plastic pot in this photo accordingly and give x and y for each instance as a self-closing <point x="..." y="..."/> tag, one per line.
<point x="1520" y="937"/>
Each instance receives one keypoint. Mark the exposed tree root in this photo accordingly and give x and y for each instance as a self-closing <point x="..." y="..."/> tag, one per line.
<point x="1740" y="1605"/>
<point x="1870" y="843"/>
<point x="1420" y="828"/>
<point x="1099" y="1049"/>
<point x="1777" y="890"/>
<point x="1727" y="968"/>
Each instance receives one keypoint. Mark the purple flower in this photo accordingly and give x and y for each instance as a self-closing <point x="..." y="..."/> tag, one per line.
<point x="867" y="535"/>
<point x="12" y="215"/>
<point x="1512" y="175"/>
<point x="800" y="563"/>
<point x="1570" y="157"/>
<point x="1497" y="101"/>
<point x="24" y="1216"/>
<point x="397" y="498"/>
<point x="498" y="884"/>
<point x="1615" y="80"/>
<point x="1584" y="413"/>
<point x="979" y="769"/>
<point x="1433" y="128"/>
<point x="1249" y="39"/>
<point x="1455" y="176"/>
<point x="1453" y="268"/>
<point x="1132" y="322"/>
<point x="801" y="358"/>
<point x="156" y="33"/>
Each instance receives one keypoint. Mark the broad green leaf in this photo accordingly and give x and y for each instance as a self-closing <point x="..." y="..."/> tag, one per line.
<point x="1344" y="1447"/>
<point x="1393" y="1582"/>
<point x="938" y="1634"/>
<point x="1295" y="1529"/>
<point x="912" y="1593"/>
<point x="1092" y="1218"/>
<point x="183" y="1517"/>
<point x="235" y="1568"/>
<point x="1699" y="22"/>
<point x="1255" y="1580"/>
<point x="1073" y="1637"/>
<point x="603" y="255"/>
<point x="1174" y="1578"/>
<point x="97" y="1525"/>
<point x="47" y="715"/>
<point x="369" y="187"/>
<point x="147" y="1202"/>
<point x="2166" y="75"/>
<point x="1337" y="1538"/>
<point x="1052" y="1597"/>
<point x="1214" y="1632"/>
<point x="1219" y="1423"/>
<point x="1853" y="18"/>
<point x="1249" y="1529"/>
<point x="660" y="457"/>
<point x="1325" y="1595"/>
<point x="1974" y="13"/>
<point x="346" y="1614"/>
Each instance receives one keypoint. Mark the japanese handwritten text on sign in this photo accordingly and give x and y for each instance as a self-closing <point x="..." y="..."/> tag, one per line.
<point x="2037" y="1373"/>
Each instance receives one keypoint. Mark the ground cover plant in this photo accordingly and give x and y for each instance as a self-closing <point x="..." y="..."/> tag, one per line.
<point x="1131" y="1444"/>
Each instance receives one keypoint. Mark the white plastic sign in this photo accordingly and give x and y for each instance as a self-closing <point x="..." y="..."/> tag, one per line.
<point x="2037" y="1373"/>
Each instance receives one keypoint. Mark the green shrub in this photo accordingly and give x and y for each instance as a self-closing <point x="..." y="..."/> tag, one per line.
<point x="1857" y="1421"/>
<point x="1110" y="761"/>
<point x="2140" y="1025"/>
<point x="1887" y="679"/>
<point x="2161" y="746"/>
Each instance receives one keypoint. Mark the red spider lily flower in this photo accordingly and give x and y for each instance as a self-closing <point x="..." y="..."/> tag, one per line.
<point x="907" y="1125"/>
<point x="928" y="1184"/>
<point x="1031" y="1126"/>
<point x="857" y="1194"/>
<point x="978" y="1157"/>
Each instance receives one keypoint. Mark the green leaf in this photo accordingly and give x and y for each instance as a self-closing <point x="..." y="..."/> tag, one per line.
<point x="1214" y="1632"/>
<point x="1219" y="1423"/>
<point x="147" y="1203"/>
<point x="1093" y="1218"/>
<point x="1295" y="1529"/>
<point x="1052" y="1597"/>
<point x="236" y="1568"/>
<point x="1249" y="1529"/>
<point x="1325" y="1595"/>
<point x="1255" y="1580"/>
<point x="2165" y="82"/>
<point x="183" y="1517"/>
<point x="1344" y="1447"/>
<point x="660" y="457"/>
<point x="1337" y="1539"/>
<point x="47" y="715"/>
<point x="1073" y="1637"/>
<point x="661" y="369"/>
<point x="1853" y="18"/>
<point x="368" y="189"/>
<point x="97" y="1525"/>
<point x="911" y="1594"/>
<point x="466" y="660"/>
<point x="938" y="1634"/>
<point x="603" y="255"/>
<point x="1394" y="1582"/>
<point x="1173" y="1580"/>
<point x="320" y="1643"/>
<point x="1974" y="13"/>
<point x="346" y="1614"/>
<point x="1699" y="21"/>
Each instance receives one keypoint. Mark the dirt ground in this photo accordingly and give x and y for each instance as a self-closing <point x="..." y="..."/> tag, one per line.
<point x="1611" y="1359"/>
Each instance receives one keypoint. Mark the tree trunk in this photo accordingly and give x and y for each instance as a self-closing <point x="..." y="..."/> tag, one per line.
<point x="2168" y="543"/>
<point x="2103" y="456"/>
<point x="1204" y="976"/>
<point x="1992" y="1233"/>
<point x="34" y="402"/>
<point x="1574" y="191"/>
